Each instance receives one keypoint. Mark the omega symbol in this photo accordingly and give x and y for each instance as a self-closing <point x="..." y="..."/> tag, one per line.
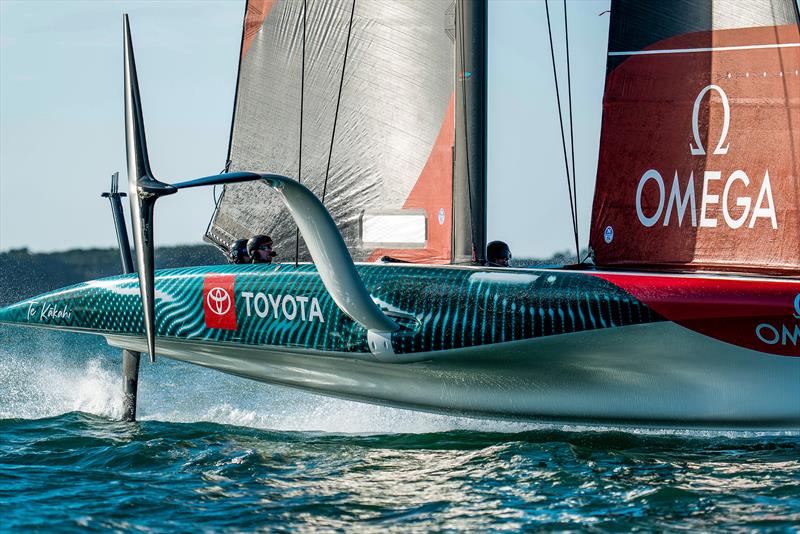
<point x="218" y="300"/>
<point x="726" y="122"/>
<point x="608" y="234"/>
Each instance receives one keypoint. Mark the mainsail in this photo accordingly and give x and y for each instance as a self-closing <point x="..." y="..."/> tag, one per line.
<point x="375" y="82"/>
<point x="700" y="149"/>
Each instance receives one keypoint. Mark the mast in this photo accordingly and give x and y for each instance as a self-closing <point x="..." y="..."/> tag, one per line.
<point x="469" y="180"/>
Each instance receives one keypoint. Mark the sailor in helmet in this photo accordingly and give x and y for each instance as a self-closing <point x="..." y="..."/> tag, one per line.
<point x="498" y="254"/>
<point x="238" y="252"/>
<point x="260" y="249"/>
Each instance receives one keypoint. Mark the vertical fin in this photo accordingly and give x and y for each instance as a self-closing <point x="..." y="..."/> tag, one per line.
<point x="144" y="189"/>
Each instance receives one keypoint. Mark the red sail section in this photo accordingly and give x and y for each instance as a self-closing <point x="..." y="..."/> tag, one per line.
<point x="700" y="154"/>
<point x="254" y="16"/>
<point x="433" y="193"/>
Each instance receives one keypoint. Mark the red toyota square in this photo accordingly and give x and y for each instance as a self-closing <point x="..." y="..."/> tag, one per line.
<point x="218" y="302"/>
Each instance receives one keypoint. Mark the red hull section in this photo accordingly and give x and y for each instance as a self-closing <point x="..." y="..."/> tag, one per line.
<point x="758" y="314"/>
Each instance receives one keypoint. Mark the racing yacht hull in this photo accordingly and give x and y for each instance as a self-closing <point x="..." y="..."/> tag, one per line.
<point x="657" y="374"/>
<point x="515" y="343"/>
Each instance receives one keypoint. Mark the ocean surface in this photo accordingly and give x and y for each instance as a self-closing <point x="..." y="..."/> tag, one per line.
<point x="213" y="452"/>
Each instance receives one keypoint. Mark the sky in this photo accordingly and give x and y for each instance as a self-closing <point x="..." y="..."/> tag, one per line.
<point x="62" y="130"/>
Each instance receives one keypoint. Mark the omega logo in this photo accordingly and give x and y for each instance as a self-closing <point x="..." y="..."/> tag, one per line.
<point x="681" y="199"/>
<point x="608" y="234"/>
<point x="781" y="333"/>
<point x="726" y="122"/>
<point x="218" y="300"/>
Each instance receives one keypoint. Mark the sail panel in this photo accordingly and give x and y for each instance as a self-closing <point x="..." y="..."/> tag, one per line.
<point x="392" y="148"/>
<point x="700" y="148"/>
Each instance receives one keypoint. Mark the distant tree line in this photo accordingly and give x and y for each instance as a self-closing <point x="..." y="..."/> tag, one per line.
<point x="558" y="259"/>
<point x="25" y="274"/>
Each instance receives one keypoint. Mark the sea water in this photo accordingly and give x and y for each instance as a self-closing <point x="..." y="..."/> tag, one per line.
<point x="213" y="452"/>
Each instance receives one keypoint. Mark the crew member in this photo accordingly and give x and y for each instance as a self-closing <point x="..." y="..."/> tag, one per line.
<point x="498" y="254"/>
<point x="260" y="249"/>
<point x="238" y="252"/>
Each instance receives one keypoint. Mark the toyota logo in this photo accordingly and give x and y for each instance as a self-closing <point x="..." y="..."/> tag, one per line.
<point x="218" y="300"/>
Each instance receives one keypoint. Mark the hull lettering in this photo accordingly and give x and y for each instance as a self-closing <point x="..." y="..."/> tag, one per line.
<point x="290" y="307"/>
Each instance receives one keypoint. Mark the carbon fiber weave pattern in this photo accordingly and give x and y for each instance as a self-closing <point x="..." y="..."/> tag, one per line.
<point x="440" y="308"/>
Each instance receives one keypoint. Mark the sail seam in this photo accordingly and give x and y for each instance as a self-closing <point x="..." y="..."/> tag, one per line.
<point x="338" y="102"/>
<point x="300" y="152"/>
<point x="696" y="50"/>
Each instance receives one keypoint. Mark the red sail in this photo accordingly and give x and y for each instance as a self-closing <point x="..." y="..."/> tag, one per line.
<point x="700" y="150"/>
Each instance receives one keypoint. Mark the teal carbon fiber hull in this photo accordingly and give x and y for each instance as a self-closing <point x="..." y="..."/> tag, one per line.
<point x="288" y="306"/>
<point x="530" y="344"/>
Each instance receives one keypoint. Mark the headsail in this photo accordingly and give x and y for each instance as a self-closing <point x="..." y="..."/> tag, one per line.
<point x="700" y="150"/>
<point x="389" y="181"/>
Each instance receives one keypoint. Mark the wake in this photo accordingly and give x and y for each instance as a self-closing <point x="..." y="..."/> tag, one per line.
<point x="62" y="373"/>
<point x="54" y="373"/>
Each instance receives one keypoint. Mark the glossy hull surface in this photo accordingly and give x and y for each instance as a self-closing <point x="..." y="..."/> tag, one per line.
<point x="621" y="348"/>
<point x="660" y="374"/>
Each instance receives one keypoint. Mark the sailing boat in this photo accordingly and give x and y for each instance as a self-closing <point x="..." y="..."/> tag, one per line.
<point x="691" y="317"/>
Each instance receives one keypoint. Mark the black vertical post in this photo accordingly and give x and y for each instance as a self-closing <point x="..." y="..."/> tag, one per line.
<point x="119" y="224"/>
<point x="130" y="359"/>
<point x="469" y="180"/>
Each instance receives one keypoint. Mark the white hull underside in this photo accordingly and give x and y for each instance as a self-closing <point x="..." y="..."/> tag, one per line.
<point x="658" y="374"/>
